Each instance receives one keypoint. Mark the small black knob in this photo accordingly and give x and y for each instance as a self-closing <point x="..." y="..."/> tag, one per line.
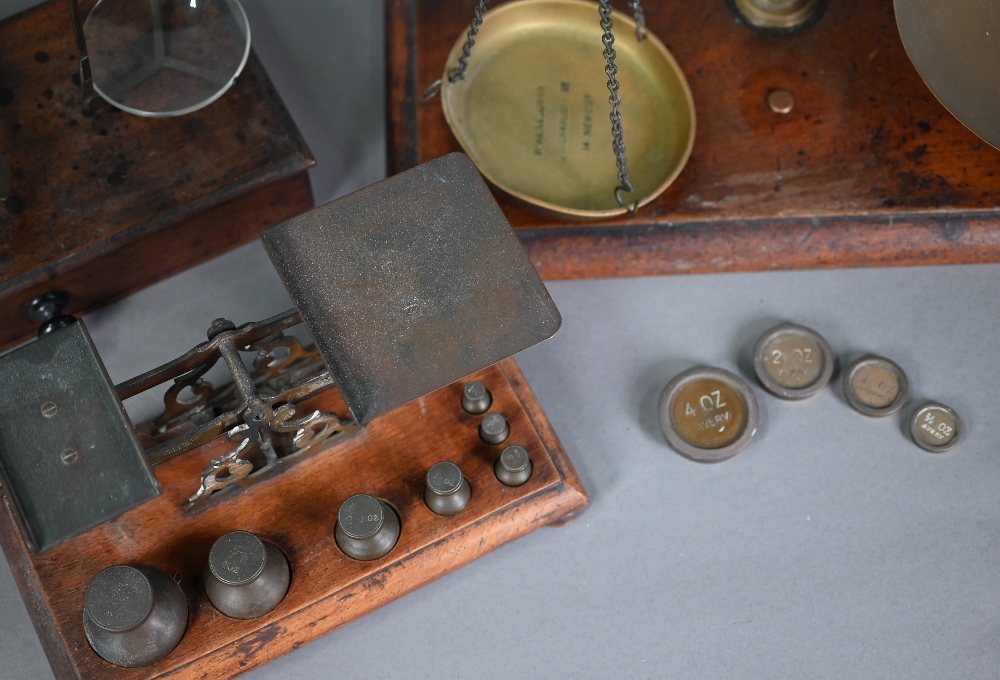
<point x="47" y="309"/>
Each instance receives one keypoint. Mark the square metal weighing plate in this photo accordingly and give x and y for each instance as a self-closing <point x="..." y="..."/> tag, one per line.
<point x="411" y="284"/>
<point x="69" y="457"/>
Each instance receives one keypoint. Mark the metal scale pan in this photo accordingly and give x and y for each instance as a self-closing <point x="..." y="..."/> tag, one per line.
<point x="532" y="110"/>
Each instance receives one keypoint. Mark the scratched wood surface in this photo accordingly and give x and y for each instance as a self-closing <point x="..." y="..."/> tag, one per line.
<point x="296" y="510"/>
<point x="868" y="168"/>
<point x="109" y="203"/>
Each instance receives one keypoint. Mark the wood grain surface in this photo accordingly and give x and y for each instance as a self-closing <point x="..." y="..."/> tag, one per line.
<point x="105" y="204"/>
<point x="868" y="169"/>
<point x="296" y="510"/>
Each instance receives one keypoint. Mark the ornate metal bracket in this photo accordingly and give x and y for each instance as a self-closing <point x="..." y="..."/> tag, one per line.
<point x="255" y="411"/>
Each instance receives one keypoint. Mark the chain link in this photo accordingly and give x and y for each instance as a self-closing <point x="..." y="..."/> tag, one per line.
<point x="640" y="19"/>
<point x="458" y="73"/>
<point x="618" y="143"/>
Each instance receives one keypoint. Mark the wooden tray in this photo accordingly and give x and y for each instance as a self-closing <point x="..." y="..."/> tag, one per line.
<point x="867" y="170"/>
<point x="297" y="511"/>
<point x="107" y="204"/>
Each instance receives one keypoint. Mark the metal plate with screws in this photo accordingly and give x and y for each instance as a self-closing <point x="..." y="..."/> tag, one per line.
<point x="935" y="427"/>
<point x="69" y="457"/>
<point x="708" y="414"/>
<point x="793" y="362"/>
<point x="411" y="284"/>
<point x="875" y="386"/>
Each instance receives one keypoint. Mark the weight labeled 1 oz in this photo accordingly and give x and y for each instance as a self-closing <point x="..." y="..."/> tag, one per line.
<point x="708" y="414"/>
<point x="875" y="386"/>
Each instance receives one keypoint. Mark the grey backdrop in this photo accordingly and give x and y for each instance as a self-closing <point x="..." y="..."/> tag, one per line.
<point x="832" y="547"/>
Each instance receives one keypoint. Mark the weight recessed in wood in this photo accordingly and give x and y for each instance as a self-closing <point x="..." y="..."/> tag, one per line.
<point x="446" y="491"/>
<point x="367" y="528"/>
<point x="247" y="577"/>
<point x="513" y="467"/>
<point x="134" y="616"/>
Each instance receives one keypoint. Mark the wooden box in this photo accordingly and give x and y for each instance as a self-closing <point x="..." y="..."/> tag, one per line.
<point x="297" y="511"/>
<point x="106" y="204"/>
<point x="868" y="169"/>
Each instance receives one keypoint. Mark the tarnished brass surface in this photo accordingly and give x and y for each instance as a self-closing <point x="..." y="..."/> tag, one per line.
<point x="792" y="361"/>
<point x="781" y="15"/>
<point x="954" y="46"/>
<point x="935" y="427"/>
<point x="709" y="413"/>
<point x="532" y="111"/>
<point x="875" y="386"/>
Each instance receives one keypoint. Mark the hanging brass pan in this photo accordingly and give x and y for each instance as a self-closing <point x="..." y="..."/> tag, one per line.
<point x="532" y="111"/>
<point x="955" y="46"/>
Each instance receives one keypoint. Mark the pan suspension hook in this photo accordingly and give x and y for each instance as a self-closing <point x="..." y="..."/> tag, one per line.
<point x="607" y="24"/>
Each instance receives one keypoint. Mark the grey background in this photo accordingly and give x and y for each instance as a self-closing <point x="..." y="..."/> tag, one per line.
<point x="832" y="547"/>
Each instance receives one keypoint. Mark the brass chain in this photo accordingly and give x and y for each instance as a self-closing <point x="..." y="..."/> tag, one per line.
<point x="458" y="73"/>
<point x="618" y="142"/>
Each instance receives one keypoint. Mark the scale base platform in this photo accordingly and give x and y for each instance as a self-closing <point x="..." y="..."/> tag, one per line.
<point x="297" y="510"/>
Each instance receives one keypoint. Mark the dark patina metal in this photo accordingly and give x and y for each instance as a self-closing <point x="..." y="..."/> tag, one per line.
<point x="447" y="491"/>
<point x="513" y="467"/>
<point x="411" y="284"/>
<point x="493" y="429"/>
<point x="69" y="457"/>
<point x="367" y="528"/>
<point x="247" y="577"/>
<point x="134" y="616"/>
<point x="476" y="398"/>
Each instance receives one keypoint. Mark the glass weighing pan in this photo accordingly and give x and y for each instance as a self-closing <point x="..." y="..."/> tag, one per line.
<point x="533" y="111"/>
<point x="165" y="57"/>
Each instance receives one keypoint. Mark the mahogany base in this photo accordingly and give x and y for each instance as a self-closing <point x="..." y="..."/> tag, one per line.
<point x="868" y="169"/>
<point x="296" y="510"/>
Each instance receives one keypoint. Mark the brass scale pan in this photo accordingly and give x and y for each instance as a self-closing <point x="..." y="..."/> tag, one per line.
<point x="533" y="114"/>
<point x="955" y="46"/>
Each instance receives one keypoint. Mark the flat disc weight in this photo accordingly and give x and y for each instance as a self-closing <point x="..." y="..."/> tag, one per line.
<point x="533" y="113"/>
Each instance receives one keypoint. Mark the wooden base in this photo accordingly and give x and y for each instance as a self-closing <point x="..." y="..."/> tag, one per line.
<point x="868" y="169"/>
<point x="106" y="204"/>
<point x="297" y="511"/>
